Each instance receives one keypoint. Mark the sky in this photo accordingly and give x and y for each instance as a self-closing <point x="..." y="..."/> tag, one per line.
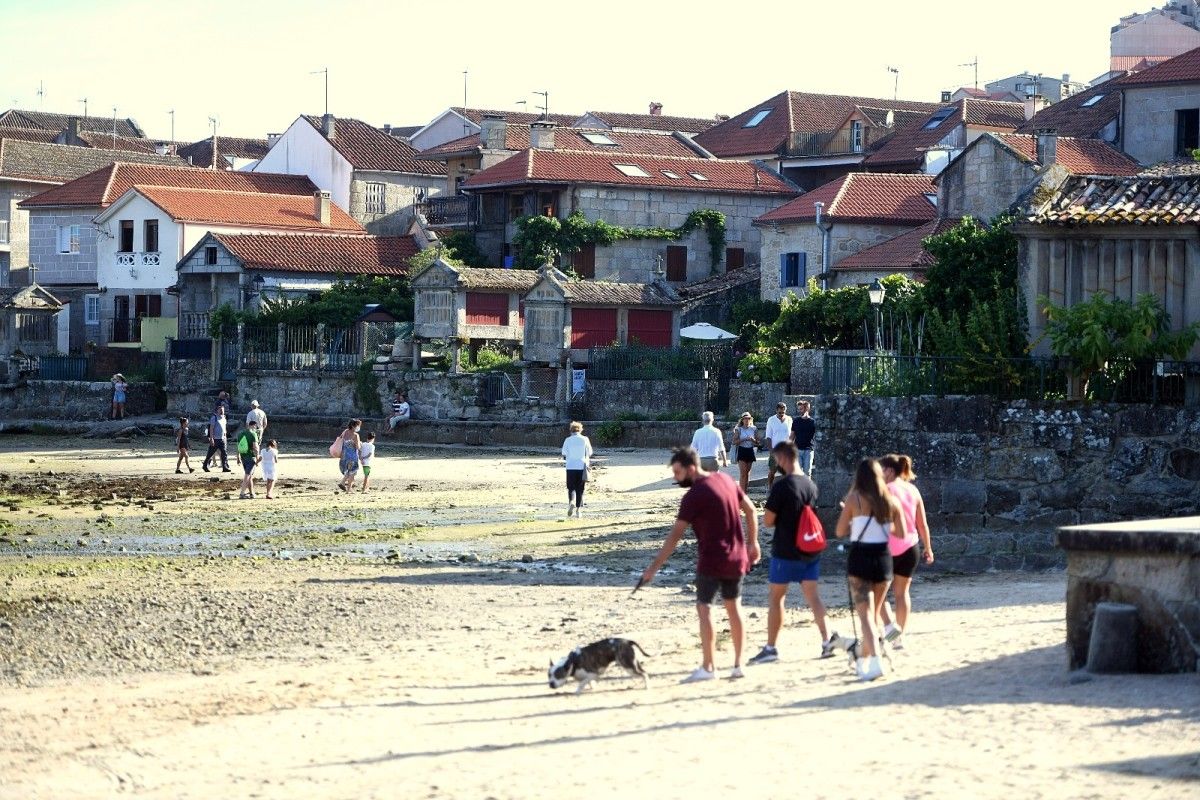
<point x="249" y="63"/>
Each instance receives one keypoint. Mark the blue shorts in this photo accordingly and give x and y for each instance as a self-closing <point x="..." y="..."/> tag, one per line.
<point x="118" y="397"/>
<point x="783" y="570"/>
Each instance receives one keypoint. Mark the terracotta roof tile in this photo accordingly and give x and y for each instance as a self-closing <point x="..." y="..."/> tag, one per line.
<point x="30" y="135"/>
<point x="1184" y="68"/>
<point x="128" y="144"/>
<point x="334" y="253"/>
<point x="248" y="209"/>
<point x="906" y="148"/>
<point x="1140" y="200"/>
<point x="1079" y="156"/>
<point x="573" y="167"/>
<point x="875" y="197"/>
<point x="1073" y="117"/>
<point x="904" y="252"/>
<point x="603" y="293"/>
<point x="200" y="153"/>
<point x="653" y="122"/>
<point x="517" y="138"/>
<point x="497" y="279"/>
<point x="368" y="148"/>
<point x="60" y="163"/>
<point x="104" y="185"/>
<point x="475" y="115"/>
<point x="14" y="118"/>
<point x="718" y="284"/>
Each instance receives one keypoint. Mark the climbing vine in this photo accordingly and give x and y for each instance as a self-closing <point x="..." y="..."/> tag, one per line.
<point x="539" y="238"/>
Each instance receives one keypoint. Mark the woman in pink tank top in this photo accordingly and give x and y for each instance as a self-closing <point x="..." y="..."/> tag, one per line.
<point x="898" y="472"/>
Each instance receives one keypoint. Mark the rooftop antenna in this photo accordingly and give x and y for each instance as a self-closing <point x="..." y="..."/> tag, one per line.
<point x="896" y="83"/>
<point x="41" y="93"/>
<point x="114" y="127"/>
<point x="465" y="72"/>
<point x="974" y="64"/>
<point x="213" y="121"/>
<point x="172" y="113"/>
<point x="521" y="103"/>
<point x="84" y="101"/>
<point x="324" y="71"/>
<point x="545" y="107"/>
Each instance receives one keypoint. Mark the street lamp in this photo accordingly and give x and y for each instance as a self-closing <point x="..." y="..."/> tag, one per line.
<point x="876" y="292"/>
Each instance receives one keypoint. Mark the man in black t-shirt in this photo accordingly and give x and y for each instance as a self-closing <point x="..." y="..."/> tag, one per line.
<point x="786" y="501"/>
<point x="804" y="429"/>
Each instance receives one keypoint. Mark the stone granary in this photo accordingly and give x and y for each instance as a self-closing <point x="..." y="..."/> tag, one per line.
<point x="27" y="328"/>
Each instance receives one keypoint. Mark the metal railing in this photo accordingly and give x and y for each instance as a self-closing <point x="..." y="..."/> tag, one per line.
<point x="832" y="143"/>
<point x="124" y="330"/>
<point x="638" y="362"/>
<point x="62" y="368"/>
<point x="301" y="347"/>
<point x="3" y="231"/>
<point x="456" y="210"/>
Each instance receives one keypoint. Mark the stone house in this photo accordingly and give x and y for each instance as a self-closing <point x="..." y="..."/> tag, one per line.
<point x="1121" y="235"/>
<point x="1161" y="113"/>
<point x="1091" y="114"/>
<point x="27" y="327"/>
<point x="64" y="242"/>
<point x="242" y="269"/>
<point x="812" y="138"/>
<point x="126" y="128"/>
<point x="933" y="141"/>
<point x="1028" y="84"/>
<point x="224" y="152"/>
<point x="807" y="237"/>
<point x="628" y="190"/>
<point x="373" y="175"/>
<point x="457" y="122"/>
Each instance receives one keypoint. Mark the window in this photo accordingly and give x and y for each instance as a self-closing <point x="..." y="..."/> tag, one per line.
<point x="938" y="118"/>
<point x="516" y="207"/>
<point x="632" y="170"/>
<point x="932" y="198"/>
<point x="856" y="136"/>
<point x="126" y="240"/>
<point x="548" y="203"/>
<point x="150" y="236"/>
<point x="754" y="121"/>
<point x="735" y="258"/>
<point x="584" y="261"/>
<point x="68" y="239"/>
<point x="698" y="176"/>
<point x="676" y="262"/>
<point x="376" y="198"/>
<point x="91" y="309"/>
<point x="599" y="138"/>
<point x="147" y="305"/>
<point x="1091" y="101"/>
<point x="210" y="256"/>
<point x="1187" y="130"/>
<point x="1020" y="87"/>
<point x="671" y="175"/>
<point x="792" y="269"/>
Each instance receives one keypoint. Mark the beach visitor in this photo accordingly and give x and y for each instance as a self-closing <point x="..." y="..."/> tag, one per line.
<point x="216" y="440"/>
<point x="366" y="454"/>
<point x="785" y="502"/>
<point x="779" y="430"/>
<point x="899" y="475"/>
<point x="224" y="400"/>
<point x="181" y="446"/>
<point x="401" y="411"/>
<point x="870" y="517"/>
<point x="257" y="415"/>
<point x="247" y="445"/>
<point x="348" y="463"/>
<point x="119" y="388"/>
<point x="745" y="439"/>
<point x="577" y="457"/>
<point x="270" y="463"/>
<point x="804" y="429"/>
<point x="724" y="554"/>
<point x="710" y="444"/>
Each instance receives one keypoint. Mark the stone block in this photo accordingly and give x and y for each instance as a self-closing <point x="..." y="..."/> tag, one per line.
<point x="1001" y="497"/>
<point x="1142" y="420"/>
<point x="963" y="496"/>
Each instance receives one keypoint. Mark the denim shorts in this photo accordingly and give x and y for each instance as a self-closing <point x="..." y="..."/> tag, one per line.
<point x="786" y="570"/>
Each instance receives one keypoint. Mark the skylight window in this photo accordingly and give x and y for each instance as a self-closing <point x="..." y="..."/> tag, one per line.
<point x="932" y="198"/>
<point x="698" y="176"/>
<point x="632" y="170"/>
<point x="757" y="118"/>
<point x="1091" y="101"/>
<point x="599" y="138"/>
<point x="938" y="118"/>
<point x="671" y="175"/>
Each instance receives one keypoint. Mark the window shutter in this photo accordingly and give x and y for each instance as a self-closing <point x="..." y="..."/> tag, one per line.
<point x="801" y="269"/>
<point x="783" y="270"/>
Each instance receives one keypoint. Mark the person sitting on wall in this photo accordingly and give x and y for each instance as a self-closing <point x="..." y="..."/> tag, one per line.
<point x="401" y="411"/>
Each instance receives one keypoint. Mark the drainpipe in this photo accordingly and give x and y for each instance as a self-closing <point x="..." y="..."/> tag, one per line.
<point x="825" y="228"/>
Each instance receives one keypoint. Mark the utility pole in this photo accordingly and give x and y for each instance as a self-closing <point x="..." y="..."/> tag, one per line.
<point x="896" y="84"/>
<point x="324" y="72"/>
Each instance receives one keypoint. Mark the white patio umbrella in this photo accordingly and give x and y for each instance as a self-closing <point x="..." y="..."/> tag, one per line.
<point x="702" y="330"/>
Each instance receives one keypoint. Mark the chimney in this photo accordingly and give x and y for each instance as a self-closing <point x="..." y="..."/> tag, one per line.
<point x="1033" y="104"/>
<point x="387" y="128"/>
<point x="1047" y="146"/>
<point x="162" y="148"/>
<point x="722" y="118"/>
<point x="73" y="131"/>
<point x="655" y="109"/>
<point x="321" y="206"/>
<point x="493" y="131"/>
<point x="946" y="95"/>
<point x="1066" y="77"/>
<point x="541" y="134"/>
<point x="327" y="127"/>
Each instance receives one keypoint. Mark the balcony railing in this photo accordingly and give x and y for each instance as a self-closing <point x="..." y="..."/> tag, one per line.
<point x="134" y="260"/>
<point x="833" y="143"/>
<point x="448" y="211"/>
<point x="3" y="231"/>
<point x="193" y="325"/>
<point x="124" y="330"/>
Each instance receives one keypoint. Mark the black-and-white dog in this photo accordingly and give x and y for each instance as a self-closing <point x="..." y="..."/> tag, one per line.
<point x="850" y="647"/>
<point x="585" y="664"/>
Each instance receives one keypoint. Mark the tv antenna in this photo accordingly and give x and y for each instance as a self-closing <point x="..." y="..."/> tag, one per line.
<point x="975" y="65"/>
<point x="41" y="93"/>
<point x="324" y="71"/>
<point x="896" y="84"/>
<point x="545" y="107"/>
<point x="84" y="101"/>
<point x="465" y="72"/>
<point x="172" y="113"/>
<point x="114" y="127"/>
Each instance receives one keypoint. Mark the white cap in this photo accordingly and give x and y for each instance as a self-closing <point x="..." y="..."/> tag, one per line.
<point x="254" y="404"/>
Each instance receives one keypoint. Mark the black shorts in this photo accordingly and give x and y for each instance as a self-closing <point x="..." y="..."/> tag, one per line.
<point x="905" y="564"/>
<point x="707" y="585"/>
<point x="746" y="454"/>
<point x="870" y="562"/>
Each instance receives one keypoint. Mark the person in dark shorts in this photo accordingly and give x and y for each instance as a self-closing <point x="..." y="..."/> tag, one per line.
<point x="247" y="443"/>
<point x="804" y="430"/>
<point x="714" y="506"/>
<point x="870" y="517"/>
<point x="745" y="439"/>
<point x="181" y="446"/>
<point x="898" y="472"/>
<point x="786" y="500"/>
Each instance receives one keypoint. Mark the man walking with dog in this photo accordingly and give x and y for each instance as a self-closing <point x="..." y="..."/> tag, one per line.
<point x="789" y="564"/>
<point x="714" y="506"/>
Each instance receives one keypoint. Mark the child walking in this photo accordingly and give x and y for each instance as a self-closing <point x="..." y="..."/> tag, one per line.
<point x="181" y="444"/>
<point x="366" y="454"/>
<point x="270" y="457"/>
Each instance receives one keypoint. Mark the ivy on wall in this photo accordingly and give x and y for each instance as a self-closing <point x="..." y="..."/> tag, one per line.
<point x="540" y="239"/>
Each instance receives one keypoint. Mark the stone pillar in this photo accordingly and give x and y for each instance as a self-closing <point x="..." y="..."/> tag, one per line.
<point x="320" y="345"/>
<point x="241" y="344"/>
<point x="455" y="357"/>
<point x="280" y="346"/>
<point x="167" y="362"/>
<point x="416" y="354"/>
<point x="524" y="382"/>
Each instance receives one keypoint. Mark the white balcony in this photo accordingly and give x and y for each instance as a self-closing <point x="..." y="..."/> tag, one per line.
<point x="136" y="260"/>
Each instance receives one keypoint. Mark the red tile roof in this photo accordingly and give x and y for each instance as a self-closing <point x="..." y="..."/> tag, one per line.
<point x="1184" y="68"/>
<point x="569" y="166"/>
<point x="368" y="148"/>
<point x="475" y="115"/>
<point x="14" y="118"/>
<point x="904" y="252"/>
<point x="102" y="187"/>
<point x="1079" y="156"/>
<point x="906" y="148"/>
<point x="200" y="153"/>
<point x="107" y="141"/>
<point x="1070" y="117"/>
<point x="60" y="163"/>
<point x="653" y="122"/>
<point x="790" y="112"/>
<point x="869" y="197"/>
<point x="333" y="253"/>
<point x="517" y="138"/>
<point x="246" y="209"/>
<point x="1140" y="200"/>
<point x="29" y="134"/>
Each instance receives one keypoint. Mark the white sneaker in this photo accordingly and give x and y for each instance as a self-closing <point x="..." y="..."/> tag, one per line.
<point x="736" y="673"/>
<point x="579" y="511"/>
<point x="570" y="509"/>
<point x="701" y="674"/>
<point x="873" y="669"/>
<point x="891" y="632"/>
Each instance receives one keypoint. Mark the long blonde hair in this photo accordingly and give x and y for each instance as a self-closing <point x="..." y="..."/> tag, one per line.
<point x="871" y="489"/>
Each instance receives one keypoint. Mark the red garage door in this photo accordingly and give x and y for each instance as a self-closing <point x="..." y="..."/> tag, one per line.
<point x="487" y="309"/>
<point x="593" y="327"/>
<point x="652" y="328"/>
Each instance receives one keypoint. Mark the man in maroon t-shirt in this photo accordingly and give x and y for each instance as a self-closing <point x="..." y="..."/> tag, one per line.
<point x="712" y="507"/>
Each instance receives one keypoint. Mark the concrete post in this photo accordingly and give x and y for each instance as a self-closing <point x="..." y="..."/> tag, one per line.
<point x="320" y="344"/>
<point x="1113" y="644"/>
<point x="524" y="381"/>
<point x="416" y="354"/>
<point x="455" y="357"/>
<point x="280" y="346"/>
<point x="167" y="362"/>
<point x="241" y="344"/>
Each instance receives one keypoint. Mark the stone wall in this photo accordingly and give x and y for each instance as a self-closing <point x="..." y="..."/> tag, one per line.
<point x="757" y="398"/>
<point x="73" y="400"/>
<point x="300" y="393"/>
<point x="607" y="399"/>
<point x="807" y="370"/>
<point x="442" y="396"/>
<point x="1149" y="120"/>
<point x="400" y="194"/>
<point x="845" y="240"/>
<point x="55" y="267"/>
<point x="190" y="387"/>
<point x="984" y="182"/>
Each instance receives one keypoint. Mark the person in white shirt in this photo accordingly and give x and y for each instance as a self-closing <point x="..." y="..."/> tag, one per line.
<point x="257" y="416"/>
<point x="779" y="430"/>
<point x="366" y="454"/>
<point x="708" y="442"/>
<point x="270" y="458"/>
<point x="401" y="411"/>
<point x="577" y="453"/>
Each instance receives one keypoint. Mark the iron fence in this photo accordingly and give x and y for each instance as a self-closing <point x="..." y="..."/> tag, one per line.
<point x="713" y="363"/>
<point x="61" y="368"/>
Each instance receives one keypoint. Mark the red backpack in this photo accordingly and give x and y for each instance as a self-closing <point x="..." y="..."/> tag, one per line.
<point x="810" y="535"/>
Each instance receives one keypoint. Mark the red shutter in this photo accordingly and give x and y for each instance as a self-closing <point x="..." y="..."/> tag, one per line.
<point x="584" y="261"/>
<point x="651" y="328"/>
<point x="487" y="309"/>
<point x="593" y="327"/>
<point x="735" y="258"/>
<point x="676" y="262"/>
